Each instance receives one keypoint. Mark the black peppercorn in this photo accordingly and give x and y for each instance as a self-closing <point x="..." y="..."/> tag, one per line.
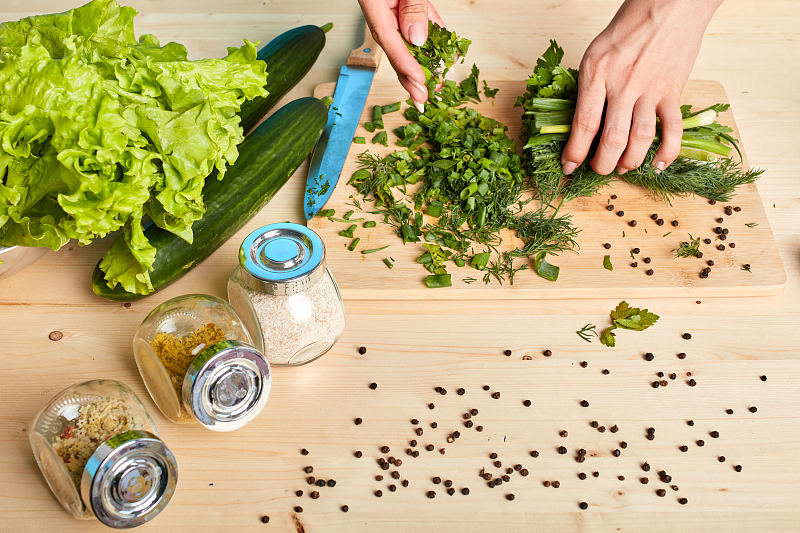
<point x="523" y="472"/>
<point x="434" y="425"/>
<point x="496" y="395"/>
<point x="647" y="260"/>
<point x="436" y="480"/>
<point x="308" y="469"/>
<point x="682" y="355"/>
<point x="373" y="386"/>
<point x="601" y="429"/>
<point x="547" y="353"/>
<point x="654" y="384"/>
<point x="661" y="492"/>
<point x="700" y="442"/>
<point x="763" y="378"/>
<point x="498" y="464"/>
<point x="691" y="382"/>
<point x="610" y="207"/>
<point x="460" y="391"/>
<point x="620" y="213"/>
<point x="362" y="350"/>
<point x="563" y="433"/>
<point x="507" y="353"/>
<point x="606" y="372"/>
<point x="690" y="422"/>
<point x="738" y="468"/>
<point x="707" y="241"/>
<point x="314" y="494"/>
<point x="265" y="519"/>
<point x="649" y="271"/>
<point x="526" y="403"/>
<point x="673" y="375"/>
<point x="646" y="467"/>
<point x="378" y="493"/>
<point x="623" y="444"/>
<point x="649" y="356"/>
<point x="721" y="458"/>
<point x="660" y="222"/>
<point x="683" y="448"/>
<point x="534" y="453"/>
<point x="634" y="264"/>
<point x="687" y="336"/>
<point x="674" y="223"/>
<point x="404" y="483"/>
<point x="753" y="409"/>
<point x="357" y="422"/>
<point x="584" y="403"/>
<point x="632" y="223"/>
<point x="715" y="433"/>
<point x="613" y="196"/>
<point x="344" y="508"/>
<point x="584" y="364"/>
<point x="465" y="491"/>
<point x="486" y="387"/>
<point x="473" y="412"/>
<point x="583" y="505"/>
<point x="298" y="493"/>
<point x="303" y="452"/>
<point x="594" y="423"/>
<point x="430" y="494"/>
<point x="616" y="453"/>
<point x="431" y="406"/>
<point x="321" y="482"/>
<point x="644" y="480"/>
<point x="562" y="450"/>
<point x="720" y="247"/>
<point x="298" y="509"/>
<point x="429" y="447"/>
<point x="509" y="497"/>
<point x="607" y="245"/>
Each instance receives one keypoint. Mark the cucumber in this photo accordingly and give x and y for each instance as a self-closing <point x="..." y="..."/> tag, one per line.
<point x="267" y="159"/>
<point x="289" y="57"/>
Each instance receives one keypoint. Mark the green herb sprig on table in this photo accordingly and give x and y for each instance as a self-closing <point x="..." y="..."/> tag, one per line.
<point x="626" y="317"/>
<point x="688" y="248"/>
<point x="704" y="167"/>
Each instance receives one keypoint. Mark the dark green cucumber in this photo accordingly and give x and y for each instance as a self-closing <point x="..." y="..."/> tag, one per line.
<point x="267" y="159"/>
<point x="289" y="57"/>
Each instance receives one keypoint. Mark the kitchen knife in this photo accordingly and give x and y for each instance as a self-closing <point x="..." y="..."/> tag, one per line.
<point x="352" y="88"/>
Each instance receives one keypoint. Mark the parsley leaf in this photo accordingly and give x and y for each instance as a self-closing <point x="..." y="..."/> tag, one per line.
<point x="626" y="317"/>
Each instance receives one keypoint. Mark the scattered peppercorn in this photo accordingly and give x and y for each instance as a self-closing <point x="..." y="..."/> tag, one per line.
<point x="700" y="442"/>
<point x="690" y="422"/>
<point x="649" y="356"/>
<point x="649" y="271"/>
<point x="583" y="505"/>
<point x="496" y="395"/>
<point x="753" y="409"/>
<point x="303" y="452"/>
<point x="534" y="453"/>
<point x="738" y="468"/>
<point x="620" y="213"/>
<point x="715" y="433"/>
<point x="763" y="378"/>
<point x="584" y="364"/>
<point x="632" y="223"/>
<point x="661" y="492"/>
<point x="460" y="391"/>
<point x="526" y="403"/>
<point x="634" y="264"/>
<point x="314" y="494"/>
<point x="547" y="353"/>
<point x="357" y="422"/>
<point x="265" y="519"/>
<point x="682" y="355"/>
<point x="373" y="386"/>
<point x="430" y="494"/>
<point x="563" y="433"/>
<point x="298" y="509"/>
<point x="562" y="450"/>
<point x="607" y="245"/>
<point x="691" y="382"/>
<point x="606" y="372"/>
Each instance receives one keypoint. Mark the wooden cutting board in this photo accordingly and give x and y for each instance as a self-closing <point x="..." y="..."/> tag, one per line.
<point x="582" y="274"/>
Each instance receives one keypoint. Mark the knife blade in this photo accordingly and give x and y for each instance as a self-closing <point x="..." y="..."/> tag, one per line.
<point x="349" y="97"/>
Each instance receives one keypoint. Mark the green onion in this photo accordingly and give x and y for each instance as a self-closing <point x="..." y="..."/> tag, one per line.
<point x="751" y="224"/>
<point x="373" y="250"/>
<point x="388" y="263"/>
<point x="556" y="128"/>
<point x="479" y="261"/>
<point x="548" y="104"/>
<point x="698" y="155"/>
<point x="370" y="224"/>
<point x="704" y="118"/>
<point x="353" y="244"/>
<point x="343" y="220"/>
<point x="347" y="215"/>
<point x="437" y="281"/>
<point x="359" y="140"/>
<point x="369" y="126"/>
<point x="348" y="232"/>
<point x="708" y="146"/>
<point x="390" y="108"/>
<point x="545" y="269"/>
<point x="459" y="261"/>
<point x="381" y="138"/>
<point x="326" y="213"/>
<point x="607" y="263"/>
<point x="377" y="116"/>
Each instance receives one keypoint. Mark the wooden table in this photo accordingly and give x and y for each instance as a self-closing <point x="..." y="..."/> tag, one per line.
<point x="228" y="481"/>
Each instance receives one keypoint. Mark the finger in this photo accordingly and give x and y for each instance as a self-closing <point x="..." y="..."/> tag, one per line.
<point x="585" y="123"/>
<point x="413" y="19"/>
<point x="383" y="26"/>
<point x="616" y="131"/>
<point x="643" y="129"/>
<point x="434" y="15"/>
<point x="669" y="112"/>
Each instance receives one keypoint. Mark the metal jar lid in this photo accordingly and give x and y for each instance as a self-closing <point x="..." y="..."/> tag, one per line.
<point x="282" y="259"/>
<point x="129" y="479"/>
<point x="227" y="385"/>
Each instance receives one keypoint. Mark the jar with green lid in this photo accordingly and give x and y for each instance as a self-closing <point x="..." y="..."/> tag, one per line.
<point x="198" y="362"/>
<point x="286" y="295"/>
<point x="101" y="455"/>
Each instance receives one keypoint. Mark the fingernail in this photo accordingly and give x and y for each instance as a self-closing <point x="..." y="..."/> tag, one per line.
<point x="568" y="167"/>
<point x="621" y="170"/>
<point x="420" y="106"/>
<point x="660" y="165"/>
<point x="416" y="34"/>
<point x="417" y="85"/>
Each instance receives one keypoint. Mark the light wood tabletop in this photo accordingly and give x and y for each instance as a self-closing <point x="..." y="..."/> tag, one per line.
<point x="229" y="481"/>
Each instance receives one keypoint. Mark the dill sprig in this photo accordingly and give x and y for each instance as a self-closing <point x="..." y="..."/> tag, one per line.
<point x="688" y="248"/>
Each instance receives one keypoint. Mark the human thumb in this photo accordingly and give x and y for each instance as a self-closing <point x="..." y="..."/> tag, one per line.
<point x="413" y="19"/>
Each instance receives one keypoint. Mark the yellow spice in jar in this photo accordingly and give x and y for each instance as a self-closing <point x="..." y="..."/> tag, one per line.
<point x="177" y="353"/>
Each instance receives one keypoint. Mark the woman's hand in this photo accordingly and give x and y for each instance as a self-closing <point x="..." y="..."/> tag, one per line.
<point x="385" y="17"/>
<point x="637" y="67"/>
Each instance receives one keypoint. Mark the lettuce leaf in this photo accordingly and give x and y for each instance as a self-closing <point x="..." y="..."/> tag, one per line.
<point x="100" y="131"/>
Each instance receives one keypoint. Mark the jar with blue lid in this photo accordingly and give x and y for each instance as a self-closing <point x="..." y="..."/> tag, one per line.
<point x="285" y="294"/>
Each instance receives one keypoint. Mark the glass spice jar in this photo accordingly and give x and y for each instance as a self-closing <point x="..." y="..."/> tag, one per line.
<point x="286" y="295"/>
<point x="101" y="455"/>
<point x="198" y="362"/>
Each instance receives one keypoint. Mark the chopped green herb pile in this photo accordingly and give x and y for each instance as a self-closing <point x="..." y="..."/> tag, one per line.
<point x="626" y="317"/>
<point x="704" y="167"/>
<point x="688" y="248"/>
<point x="439" y="53"/>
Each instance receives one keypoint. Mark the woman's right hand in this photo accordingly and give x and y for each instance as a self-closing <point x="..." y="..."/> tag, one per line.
<point x="385" y="18"/>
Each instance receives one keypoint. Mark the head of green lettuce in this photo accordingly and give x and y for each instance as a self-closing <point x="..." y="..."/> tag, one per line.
<point x="99" y="130"/>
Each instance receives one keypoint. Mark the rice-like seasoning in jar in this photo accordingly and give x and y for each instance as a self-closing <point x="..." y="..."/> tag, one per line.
<point x="199" y="365"/>
<point x="285" y="294"/>
<point x="101" y="455"/>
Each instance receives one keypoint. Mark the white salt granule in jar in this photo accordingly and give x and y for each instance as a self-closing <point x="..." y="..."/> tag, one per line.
<point x="286" y="295"/>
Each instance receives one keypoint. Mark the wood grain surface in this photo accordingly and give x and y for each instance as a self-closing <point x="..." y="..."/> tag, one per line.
<point x="582" y="274"/>
<point x="228" y="481"/>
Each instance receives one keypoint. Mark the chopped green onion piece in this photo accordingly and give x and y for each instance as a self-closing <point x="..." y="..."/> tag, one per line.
<point x="353" y="244"/>
<point x="369" y="126"/>
<point x="479" y="261"/>
<point x="343" y="220"/>
<point x="459" y="261"/>
<point x="347" y="215"/>
<point x="373" y="250"/>
<point x="370" y="224"/>
<point x="359" y="140"/>
<point x="377" y="117"/>
<point x="388" y="263"/>
<point x="348" y="232"/>
<point x="751" y="224"/>
<point x="438" y="280"/>
<point x="381" y="138"/>
<point x="558" y="128"/>
<point x="545" y="269"/>
<point x="607" y="263"/>
<point x="705" y="118"/>
<point x="326" y="213"/>
<point x="390" y="108"/>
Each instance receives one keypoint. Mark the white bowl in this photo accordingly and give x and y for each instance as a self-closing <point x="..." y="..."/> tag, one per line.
<point x="15" y="258"/>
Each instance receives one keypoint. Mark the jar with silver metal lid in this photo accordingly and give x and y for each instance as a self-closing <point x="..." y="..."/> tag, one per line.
<point x="199" y="364"/>
<point x="286" y="295"/>
<point x="101" y="455"/>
